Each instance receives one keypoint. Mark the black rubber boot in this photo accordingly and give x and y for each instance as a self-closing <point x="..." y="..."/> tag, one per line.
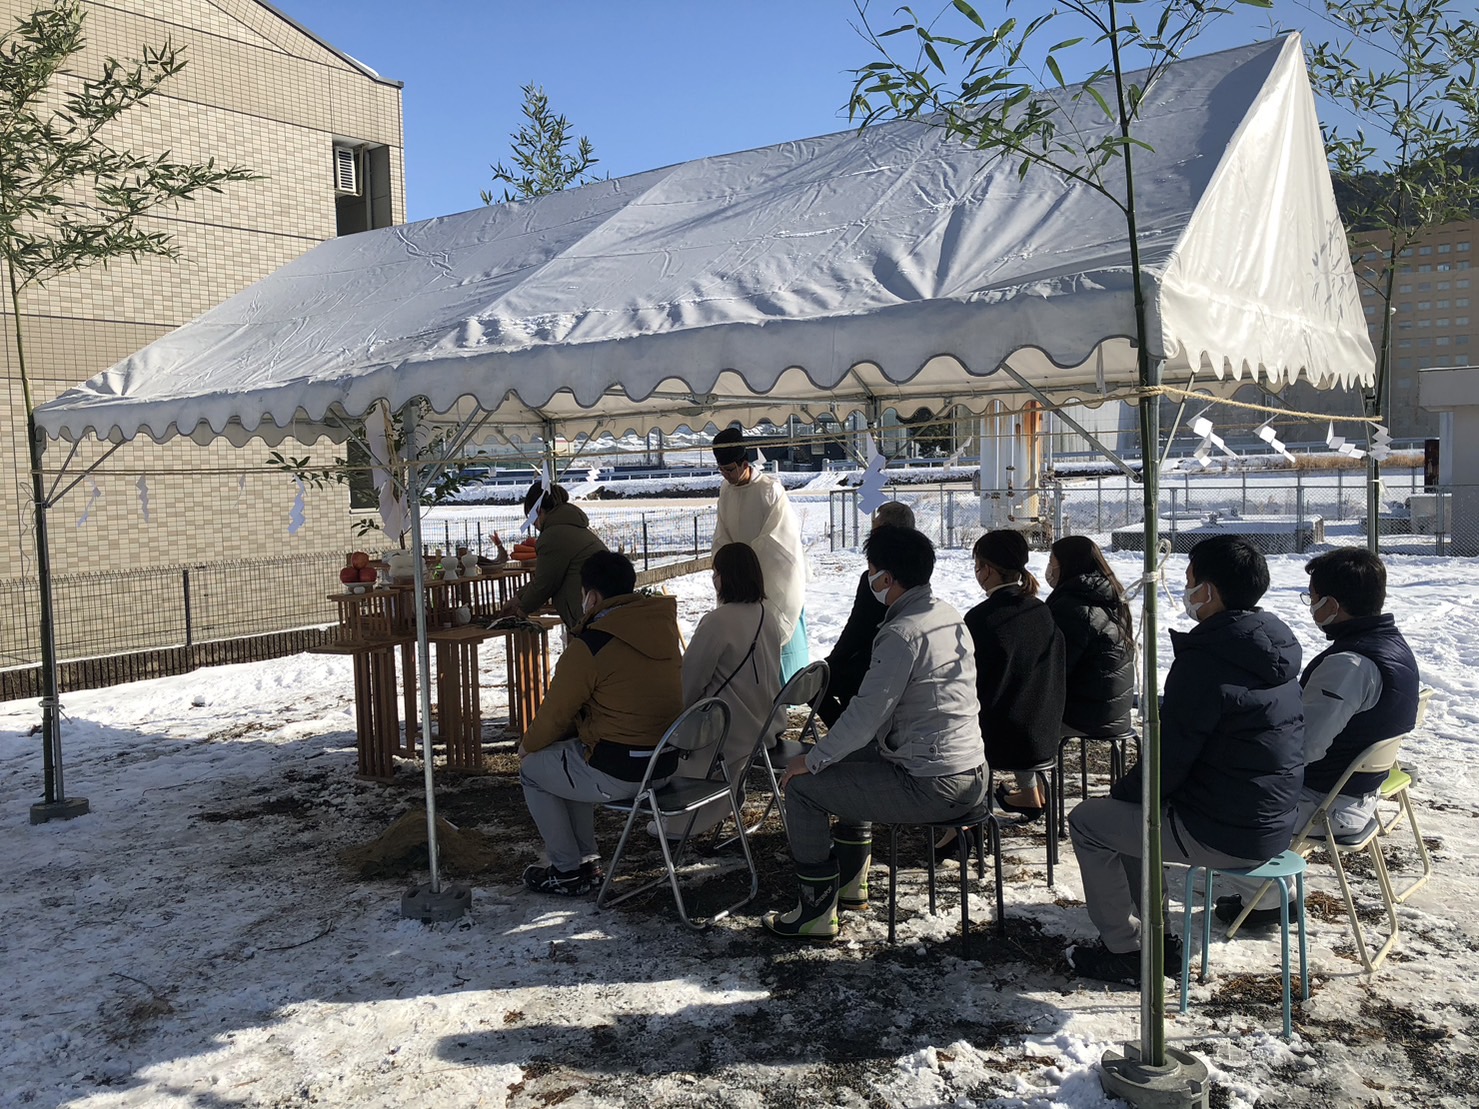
<point x="815" y="914"/>
<point x="854" y="856"/>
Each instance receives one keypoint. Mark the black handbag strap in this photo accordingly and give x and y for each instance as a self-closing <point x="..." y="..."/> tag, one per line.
<point x="748" y="655"/>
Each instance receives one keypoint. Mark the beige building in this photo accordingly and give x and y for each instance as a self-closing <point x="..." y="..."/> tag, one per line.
<point x="1434" y="315"/>
<point x="324" y="133"/>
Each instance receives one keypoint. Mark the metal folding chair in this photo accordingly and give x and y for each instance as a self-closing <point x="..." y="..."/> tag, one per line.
<point x="1379" y="758"/>
<point x="808" y="686"/>
<point x="1395" y="789"/>
<point x="699" y="731"/>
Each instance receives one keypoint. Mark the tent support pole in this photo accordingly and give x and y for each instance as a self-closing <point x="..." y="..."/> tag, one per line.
<point x="430" y="902"/>
<point x="1164" y="456"/>
<point x="90" y="468"/>
<point x="55" y="805"/>
<point x="62" y="471"/>
<point x="1042" y="397"/>
<point x="549" y="449"/>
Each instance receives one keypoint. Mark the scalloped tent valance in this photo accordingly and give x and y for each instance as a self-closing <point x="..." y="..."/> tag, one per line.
<point x="892" y="266"/>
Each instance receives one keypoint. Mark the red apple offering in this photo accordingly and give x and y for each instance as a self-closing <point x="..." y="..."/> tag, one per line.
<point x="359" y="560"/>
<point x="349" y="575"/>
<point x="367" y="573"/>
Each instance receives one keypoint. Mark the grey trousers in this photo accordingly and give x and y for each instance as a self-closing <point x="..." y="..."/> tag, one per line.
<point x="562" y="792"/>
<point x="861" y="789"/>
<point x="1106" y="838"/>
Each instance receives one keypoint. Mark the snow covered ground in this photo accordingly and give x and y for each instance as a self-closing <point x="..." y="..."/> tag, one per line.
<point x="194" y="941"/>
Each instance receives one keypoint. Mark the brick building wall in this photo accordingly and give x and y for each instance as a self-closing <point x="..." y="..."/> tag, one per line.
<point x="258" y="91"/>
<point x="1435" y="313"/>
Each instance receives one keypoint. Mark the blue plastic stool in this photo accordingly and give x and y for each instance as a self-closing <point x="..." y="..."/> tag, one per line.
<point x="1288" y="865"/>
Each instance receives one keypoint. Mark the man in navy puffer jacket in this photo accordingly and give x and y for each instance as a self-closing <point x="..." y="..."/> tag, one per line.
<point x="1232" y="755"/>
<point x="1361" y="689"/>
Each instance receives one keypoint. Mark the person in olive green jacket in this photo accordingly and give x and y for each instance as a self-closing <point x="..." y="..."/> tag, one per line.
<point x="616" y="689"/>
<point x="565" y="542"/>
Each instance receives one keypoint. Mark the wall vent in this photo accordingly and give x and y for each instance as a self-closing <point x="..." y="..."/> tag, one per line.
<point x="346" y="171"/>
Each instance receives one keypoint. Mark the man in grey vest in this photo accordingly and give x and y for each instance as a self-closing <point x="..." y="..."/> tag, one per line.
<point x="1360" y="690"/>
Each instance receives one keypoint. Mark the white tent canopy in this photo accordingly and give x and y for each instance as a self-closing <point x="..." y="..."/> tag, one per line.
<point x="890" y="267"/>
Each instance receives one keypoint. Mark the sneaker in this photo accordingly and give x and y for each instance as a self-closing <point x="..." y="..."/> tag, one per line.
<point x="562" y="883"/>
<point x="1228" y="908"/>
<point x="1098" y="962"/>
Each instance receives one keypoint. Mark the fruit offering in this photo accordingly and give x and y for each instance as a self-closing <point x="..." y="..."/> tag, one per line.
<point x="524" y="550"/>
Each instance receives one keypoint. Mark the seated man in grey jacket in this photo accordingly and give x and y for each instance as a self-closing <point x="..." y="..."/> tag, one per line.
<point x="907" y="749"/>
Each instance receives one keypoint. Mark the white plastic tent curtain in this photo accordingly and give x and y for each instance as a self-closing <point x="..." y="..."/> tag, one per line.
<point x="892" y="267"/>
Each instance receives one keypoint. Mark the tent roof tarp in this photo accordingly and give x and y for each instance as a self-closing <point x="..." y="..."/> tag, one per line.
<point x="892" y="266"/>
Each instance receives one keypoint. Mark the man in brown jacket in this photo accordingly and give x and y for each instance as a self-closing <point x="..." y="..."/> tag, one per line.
<point x="616" y="688"/>
<point x="565" y="542"/>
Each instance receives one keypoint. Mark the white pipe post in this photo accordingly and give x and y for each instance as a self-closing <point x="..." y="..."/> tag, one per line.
<point x="423" y="644"/>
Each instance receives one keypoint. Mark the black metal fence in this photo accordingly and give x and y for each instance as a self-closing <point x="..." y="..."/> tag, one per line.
<point x="121" y="626"/>
<point x="130" y="624"/>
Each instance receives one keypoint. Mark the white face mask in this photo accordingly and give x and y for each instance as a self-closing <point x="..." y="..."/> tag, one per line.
<point x="1325" y="621"/>
<point x="1193" y="607"/>
<point x="879" y="595"/>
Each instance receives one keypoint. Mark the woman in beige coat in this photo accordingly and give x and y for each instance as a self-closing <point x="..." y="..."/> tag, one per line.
<point x="735" y="656"/>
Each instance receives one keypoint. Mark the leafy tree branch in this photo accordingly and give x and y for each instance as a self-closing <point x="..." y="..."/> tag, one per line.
<point x="541" y="163"/>
<point x="1002" y="92"/>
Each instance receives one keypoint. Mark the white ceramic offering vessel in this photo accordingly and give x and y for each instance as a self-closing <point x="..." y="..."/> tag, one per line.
<point x="401" y="565"/>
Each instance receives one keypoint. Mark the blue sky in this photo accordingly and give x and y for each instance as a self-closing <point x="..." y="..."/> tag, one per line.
<point x="650" y="82"/>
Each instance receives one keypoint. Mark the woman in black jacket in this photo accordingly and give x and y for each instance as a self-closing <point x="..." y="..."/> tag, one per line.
<point x="1019" y="668"/>
<point x="1088" y="605"/>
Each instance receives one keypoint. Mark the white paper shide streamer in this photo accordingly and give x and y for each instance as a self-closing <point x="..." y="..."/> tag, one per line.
<point x="297" y="514"/>
<point x="393" y="517"/>
<point x="1203" y="454"/>
<point x="1337" y="443"/>
<point x="870" y="489"/>
<point x="545" y="481"/>
<point x="1265" y="431"/>
<point x="92" y="498"/>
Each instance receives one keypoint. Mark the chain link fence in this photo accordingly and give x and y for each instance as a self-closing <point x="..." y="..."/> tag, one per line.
<point x="125" y="625"/>
<point x="130" y="624"/>
<point x="1283" y="511"/>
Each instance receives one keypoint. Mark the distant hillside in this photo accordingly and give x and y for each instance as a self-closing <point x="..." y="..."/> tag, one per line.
<point x="1365" y="199"/>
